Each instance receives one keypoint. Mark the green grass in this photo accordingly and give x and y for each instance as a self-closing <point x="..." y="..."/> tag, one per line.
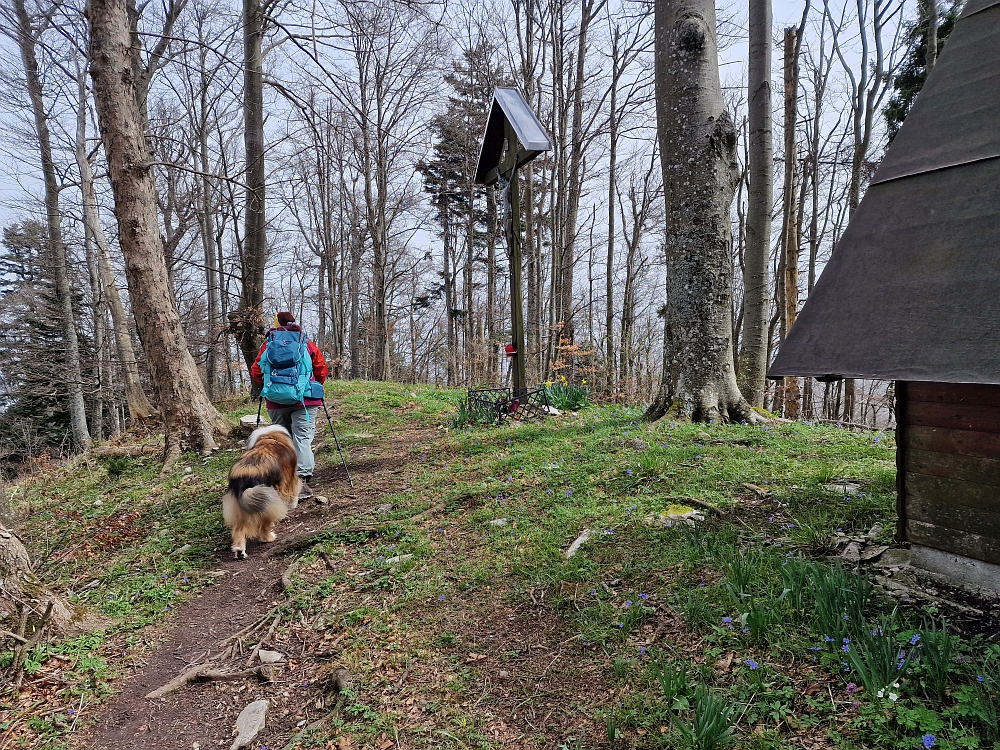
<point x="738" y="589"/>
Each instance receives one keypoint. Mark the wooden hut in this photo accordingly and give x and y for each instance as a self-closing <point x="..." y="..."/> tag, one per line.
<point x="912" y="294"/>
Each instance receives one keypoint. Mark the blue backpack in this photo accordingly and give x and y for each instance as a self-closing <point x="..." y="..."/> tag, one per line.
<point x="287" y="367"/>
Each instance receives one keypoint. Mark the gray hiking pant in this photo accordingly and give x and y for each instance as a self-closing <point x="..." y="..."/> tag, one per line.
<point x="303" y="430"/>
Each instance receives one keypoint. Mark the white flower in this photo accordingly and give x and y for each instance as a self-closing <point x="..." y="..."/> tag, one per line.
<point x="895" y="684"/>
<point x="881" y="693"/>
<point x="893" y="697"/>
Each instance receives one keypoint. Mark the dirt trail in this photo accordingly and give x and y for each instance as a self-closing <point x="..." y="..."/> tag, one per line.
<point x="202" y="714"/>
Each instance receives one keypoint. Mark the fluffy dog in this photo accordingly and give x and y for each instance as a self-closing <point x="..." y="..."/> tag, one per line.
<point x="263" y="486"/>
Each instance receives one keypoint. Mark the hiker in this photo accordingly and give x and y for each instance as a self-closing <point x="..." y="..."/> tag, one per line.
<point x="292" y="374"/>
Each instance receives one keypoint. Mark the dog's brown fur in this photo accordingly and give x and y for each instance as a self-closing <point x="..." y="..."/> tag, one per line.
<point x="263" y="486"/>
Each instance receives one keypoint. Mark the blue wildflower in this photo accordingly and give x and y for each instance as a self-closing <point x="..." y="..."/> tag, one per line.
<point x="914" y="639"/>
<point x="928" y="741"/>
<point x="751" y="663"/>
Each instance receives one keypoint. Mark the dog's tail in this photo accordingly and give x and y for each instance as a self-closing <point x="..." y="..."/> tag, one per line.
<point x="260" y="502"/>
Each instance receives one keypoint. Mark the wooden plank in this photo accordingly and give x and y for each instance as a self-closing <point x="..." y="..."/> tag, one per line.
<point x="954" y="393"/>
<point x="968" y="468"/>
<point x="951" y="516"/>
<point x="959" y="542"/>
<point x="944" y="440"/>
<point x="953" y="416"/>
<point x="953" y="492"/>
<point x="902" y="430"/>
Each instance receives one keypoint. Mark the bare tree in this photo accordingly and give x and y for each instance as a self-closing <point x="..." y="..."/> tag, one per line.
<point x="27" y="37"/>
<point x="756" y="283"/>
<point x="189" y="419"/>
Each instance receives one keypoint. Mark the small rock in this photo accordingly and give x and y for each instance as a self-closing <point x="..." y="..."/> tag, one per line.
<point x="895" y="558"/>
<point x="181" y="550"/>
<point x="98" y="503"/>
<point x="875" y="531"/>
<point x="187" y="469"/>
<point x="871" y="553"/>
<point x="250" y="723"/>
<point x="398" y="559"/>
<point x="321" y="499"/>
<point x="552" y="411"/>
<point x="386" y="508"/>
<point x="497" y="522"/>
<point x="851" y="553"/>
<point x="843" y="488"/>
<point x="269" y="657"/>
<point x="702" y="435"/>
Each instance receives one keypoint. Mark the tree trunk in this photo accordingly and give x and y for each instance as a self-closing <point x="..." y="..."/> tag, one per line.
<point x="249" y="326"/>
<point x="698" y="156"/>
<point x="214" y="322"/>
<point x="928" y="9"/>
<point x="609" y="289"/>
<point x="790" y="221"/>
<point x="18" y="585"/>
<point x="139" y="407"/>
<point x="756" y="277"/>
<point x="73" y="375"/>
<point x="189" y="419"/>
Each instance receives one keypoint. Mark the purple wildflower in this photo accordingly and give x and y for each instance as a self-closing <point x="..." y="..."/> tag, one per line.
<point x="928" y="741"/>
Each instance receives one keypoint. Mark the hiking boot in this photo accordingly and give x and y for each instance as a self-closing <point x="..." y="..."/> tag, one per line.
<point x="306" y="491"/>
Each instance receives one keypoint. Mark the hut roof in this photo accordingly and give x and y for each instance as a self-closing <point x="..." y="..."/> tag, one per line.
<point x="912" y="289"/>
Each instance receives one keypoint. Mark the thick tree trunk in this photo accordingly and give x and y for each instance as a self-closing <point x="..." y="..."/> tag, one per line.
<point x="756" y="277"/>
<point x="18" y="585"/>
<point x="249" y="327"/>
<point x="698" y="155"/>
<point x="73" y="376"/>
<point x="189" y="419"/>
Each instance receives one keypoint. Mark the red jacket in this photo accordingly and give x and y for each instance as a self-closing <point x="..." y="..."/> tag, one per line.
<point x="320" y="369"/>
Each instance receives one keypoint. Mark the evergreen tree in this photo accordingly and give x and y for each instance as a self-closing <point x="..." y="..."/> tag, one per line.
<point x="34" y="399"/>
<point x="913" y="72"/>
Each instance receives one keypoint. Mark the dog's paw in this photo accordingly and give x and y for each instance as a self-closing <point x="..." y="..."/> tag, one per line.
<point x="240" y="554"/>
<point x="271" y="536"/>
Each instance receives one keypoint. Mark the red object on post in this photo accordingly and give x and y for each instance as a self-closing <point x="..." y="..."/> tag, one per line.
<point x="509" y="350"/>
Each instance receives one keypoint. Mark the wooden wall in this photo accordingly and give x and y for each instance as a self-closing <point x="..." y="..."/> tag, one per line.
<point x="948" y="458"/>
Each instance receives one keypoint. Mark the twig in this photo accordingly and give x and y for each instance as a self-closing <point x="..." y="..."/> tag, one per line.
<point x="304" y="541"/>
<point x="286" y="577"/>
<point x="208" y="671"/>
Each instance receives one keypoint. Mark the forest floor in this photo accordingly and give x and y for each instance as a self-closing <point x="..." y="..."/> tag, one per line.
<point x="437" y="606"/>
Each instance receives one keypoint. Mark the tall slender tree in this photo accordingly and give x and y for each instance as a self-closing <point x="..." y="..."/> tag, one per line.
<point x="27" y="36"/>
<point x="756" y="275"/>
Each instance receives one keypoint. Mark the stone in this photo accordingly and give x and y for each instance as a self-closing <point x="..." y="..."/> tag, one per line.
<point x="895" y="558"/>
<point x="552" y="411"/>
<point x="851" y="553"/>
<point x="321" y="499"/>
<point x="385" y="508"/>
<point x="497" y="522"/>
<point x="843" y="487"/>
<point x="398" y="559"/>
<point x="270" y="657"/>
<point x="250" y="723"/>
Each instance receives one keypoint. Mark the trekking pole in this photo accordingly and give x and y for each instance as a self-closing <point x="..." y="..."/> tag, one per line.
<point x="260" y="402"/>
<point x="337" y="441"/>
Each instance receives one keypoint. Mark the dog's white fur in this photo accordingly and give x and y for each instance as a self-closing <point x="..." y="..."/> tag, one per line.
<point x="261" y="431"/>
